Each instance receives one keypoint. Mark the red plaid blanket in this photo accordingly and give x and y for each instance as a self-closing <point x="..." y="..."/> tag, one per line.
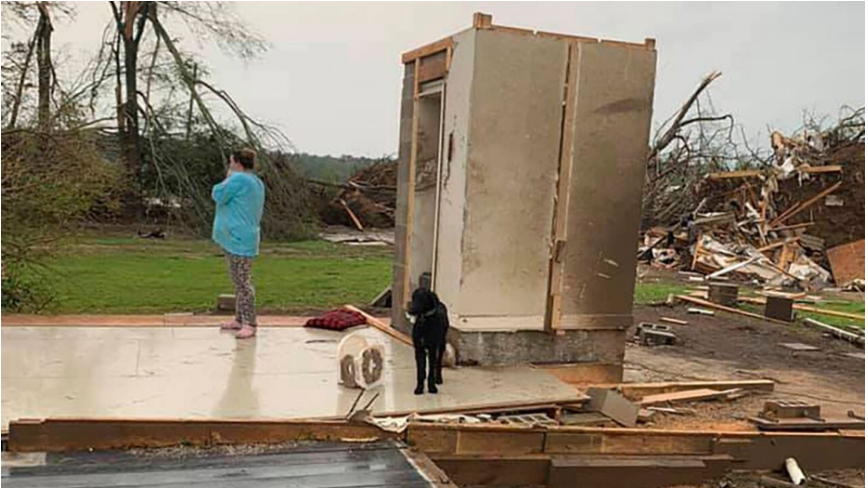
<point x="337" y="320"/>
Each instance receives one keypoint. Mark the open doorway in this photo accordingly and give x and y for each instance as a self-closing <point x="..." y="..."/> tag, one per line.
<point x="426" y="189"/>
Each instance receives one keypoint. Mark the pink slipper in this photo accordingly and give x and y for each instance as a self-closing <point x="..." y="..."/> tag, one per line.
<point x="233" y="325"/>
<point x="246" y="332"/>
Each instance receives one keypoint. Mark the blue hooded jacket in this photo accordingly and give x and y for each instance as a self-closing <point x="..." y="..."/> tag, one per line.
<point x="240" y="199"/>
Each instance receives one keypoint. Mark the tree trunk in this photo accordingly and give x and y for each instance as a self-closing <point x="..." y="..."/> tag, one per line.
<point x="132" y="146"/>
<point x="19" y="89"/>
<point x="43" y="62"/>
<point x="130" y="39"/>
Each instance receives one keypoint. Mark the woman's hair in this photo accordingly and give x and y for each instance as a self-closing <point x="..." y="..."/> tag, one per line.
<point x="246" y="157"/>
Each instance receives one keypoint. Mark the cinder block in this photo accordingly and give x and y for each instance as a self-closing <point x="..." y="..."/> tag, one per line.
<point x="226" y="302"/>
<point x="724" y="294"/>
<point x="777" y="409"/>
<point x="780" y="308"/>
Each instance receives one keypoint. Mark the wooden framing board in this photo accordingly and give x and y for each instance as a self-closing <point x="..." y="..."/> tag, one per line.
<point x="427" y="50"/>
<point x="433" y="67"/>
<point x="484" y="21"/>
<point x="78" y="434"/>
<point x="441" y="155"/>
<point x="429" y="470"/>
<point x="411" y="183"/>
<point x="491" y="407"/>
<point x="824" y="169"/>
<point x="496" y="470"/>
<point x="800" y="307"/>
<point x="637" y="391"/>
<point x="808" y="203"/>
<point x="705" y="303"/>
<point x="553" y="318"/>
<point x="380" y="325"/>
<point x="750" y="450"/>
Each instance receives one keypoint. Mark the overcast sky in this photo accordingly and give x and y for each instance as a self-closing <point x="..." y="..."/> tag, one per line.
<point x="331" y="79"/>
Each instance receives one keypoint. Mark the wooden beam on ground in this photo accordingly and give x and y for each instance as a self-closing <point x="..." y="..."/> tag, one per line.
<point x="840" y="333"/>
<point x="495" y="470"/>
<point x="549" y="404"/>
<point x="674" y="321"/>
<point x="385" y="328"/>
<point x="79" y="434"/>
<point x="637" y="391"/>
<point x="705" y="303"/>
<point x="750" y="450"/>
<point x="816" y="310"/>
<point x="682" y="397"/>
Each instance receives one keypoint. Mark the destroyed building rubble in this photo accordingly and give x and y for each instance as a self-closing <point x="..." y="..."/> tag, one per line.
<point x="772" y="223"/>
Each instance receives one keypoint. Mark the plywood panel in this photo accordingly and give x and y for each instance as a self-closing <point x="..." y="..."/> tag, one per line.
<point x="610" y="141"/>
<point x="511" y="174"/>
<point x="456" y="127"/>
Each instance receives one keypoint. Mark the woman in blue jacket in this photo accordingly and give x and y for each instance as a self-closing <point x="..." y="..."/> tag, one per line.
<point x="240" y="199"/>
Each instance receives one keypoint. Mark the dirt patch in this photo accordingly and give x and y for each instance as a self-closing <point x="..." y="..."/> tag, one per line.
<point x="733" y="347"/>
<point x="834" y="478"/>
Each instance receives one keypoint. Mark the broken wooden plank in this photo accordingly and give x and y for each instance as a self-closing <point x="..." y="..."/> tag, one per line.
<point x="840" y="333"/>
<point x="667" y="410"/>
<point x="816" y="310"/>
<point x="808" y="203"/>
<point x="674" y="321"/>
<point x="428" y="468"/>
<point x="799" y="346"/>
<point x="703" y="302"/>
<point x="639" y="390"/>
<point x="791" y="227"/>
<point x="734" y="174"/>
<point x="352" y="215"/>
<point x="697" y="310"/>
<point x="82" y="434"/>
<point x="682" y="397"/>
<point x="376" y="323"/>
<point x="775" y="245"/>
<point x="823" y="169"/>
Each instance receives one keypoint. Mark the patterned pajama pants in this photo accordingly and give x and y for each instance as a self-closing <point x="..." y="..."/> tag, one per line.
<point x="245" y="294"/>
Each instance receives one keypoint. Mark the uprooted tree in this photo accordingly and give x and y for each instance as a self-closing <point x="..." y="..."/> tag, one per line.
<point x="133" y="136"/>
<point x="694" y="159"/>
<point x="174" y="143"/>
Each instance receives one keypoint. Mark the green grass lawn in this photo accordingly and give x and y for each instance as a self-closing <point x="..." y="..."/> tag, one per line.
<point x="121" y="275"/>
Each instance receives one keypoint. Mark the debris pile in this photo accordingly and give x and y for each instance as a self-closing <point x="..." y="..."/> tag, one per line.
<point x="367" y="199"/>
<point x="771" y="223"/>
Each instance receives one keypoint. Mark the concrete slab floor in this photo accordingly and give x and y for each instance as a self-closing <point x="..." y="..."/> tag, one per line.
<point x="184" y="372"/>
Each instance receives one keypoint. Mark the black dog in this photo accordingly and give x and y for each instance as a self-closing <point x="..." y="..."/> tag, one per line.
<point x="429" y="337"/>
